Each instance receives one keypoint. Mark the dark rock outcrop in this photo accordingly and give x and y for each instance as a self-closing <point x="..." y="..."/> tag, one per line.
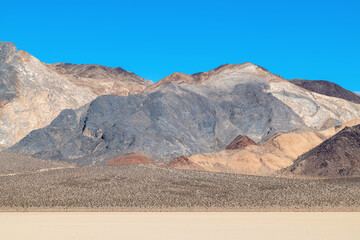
<point x="327" y="88"/>
<point x="338" y="156"/>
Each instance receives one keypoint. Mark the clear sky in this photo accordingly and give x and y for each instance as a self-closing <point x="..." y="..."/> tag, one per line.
<point x="311" y="39"/>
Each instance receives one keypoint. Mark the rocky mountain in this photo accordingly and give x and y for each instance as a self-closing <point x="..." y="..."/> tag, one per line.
<point x="172" y="121"/>
<point x="33" y="93"/>
<point x="327" y="88"/>
<point x="335" y="157"/>
<point x="182" y="116"/>
<point x="317" y="110"/>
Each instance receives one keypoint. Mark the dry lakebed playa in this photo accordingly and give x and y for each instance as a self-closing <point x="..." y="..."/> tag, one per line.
<point x="178" y="226"/>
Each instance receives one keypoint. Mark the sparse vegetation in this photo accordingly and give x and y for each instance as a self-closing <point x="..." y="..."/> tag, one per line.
<point x="147" y="186"/>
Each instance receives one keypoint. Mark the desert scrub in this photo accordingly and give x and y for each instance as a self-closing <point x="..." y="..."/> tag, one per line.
<point x="147" y="186"/>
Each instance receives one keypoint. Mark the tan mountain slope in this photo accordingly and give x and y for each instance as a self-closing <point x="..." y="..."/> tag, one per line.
<point x="277" y="153"/>
<point x="33" y="93"/>
<point x="102" y="80"/>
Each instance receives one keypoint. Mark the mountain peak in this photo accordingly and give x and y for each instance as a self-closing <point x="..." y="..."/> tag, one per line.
<point x="178" y="78"/>
<point x="201" y="77"/>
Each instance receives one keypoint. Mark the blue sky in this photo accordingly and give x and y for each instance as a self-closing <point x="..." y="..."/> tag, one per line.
<point x="296" y="39"/>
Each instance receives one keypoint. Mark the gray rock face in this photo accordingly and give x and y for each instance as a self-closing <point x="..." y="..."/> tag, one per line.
<point x="170" y="121"/>
<point x="8" y="74"/>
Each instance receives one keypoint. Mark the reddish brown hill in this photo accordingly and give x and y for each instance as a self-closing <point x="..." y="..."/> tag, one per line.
<point x="335" y="157"/>
<point x="240" y="142"/>
<point x="130" y="158"/>
<point x="183" y="163"/>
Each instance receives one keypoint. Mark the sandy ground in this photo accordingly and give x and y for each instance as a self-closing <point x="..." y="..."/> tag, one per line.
<point x="289" y="226"/>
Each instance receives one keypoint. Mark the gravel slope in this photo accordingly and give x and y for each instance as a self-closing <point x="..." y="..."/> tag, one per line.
<point x="150" y="187"/>
<point x="18" y="164"/>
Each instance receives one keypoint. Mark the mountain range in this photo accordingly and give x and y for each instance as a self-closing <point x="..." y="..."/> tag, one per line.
<point x="237" y="118"/>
